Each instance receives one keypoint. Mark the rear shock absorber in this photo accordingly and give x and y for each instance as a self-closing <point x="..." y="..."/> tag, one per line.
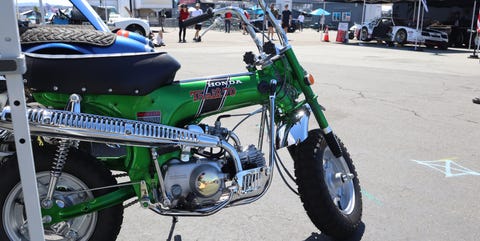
<point x="57" y="168"/>
<point x="61" y="155"/>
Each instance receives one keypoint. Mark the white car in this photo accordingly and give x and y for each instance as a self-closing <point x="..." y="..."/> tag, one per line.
<point x="385" y="29"/>
<point x="137" y="25"/>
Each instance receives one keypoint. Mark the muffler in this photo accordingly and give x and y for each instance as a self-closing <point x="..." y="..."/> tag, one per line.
<point x="104" y="129"/>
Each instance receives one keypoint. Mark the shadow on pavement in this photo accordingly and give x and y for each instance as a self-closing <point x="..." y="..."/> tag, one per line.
<point x="411" y="48"/>
<point x="321" y="237"/>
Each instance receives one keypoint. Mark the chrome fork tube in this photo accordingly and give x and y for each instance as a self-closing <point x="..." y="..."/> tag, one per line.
<point x="273" y="84"/>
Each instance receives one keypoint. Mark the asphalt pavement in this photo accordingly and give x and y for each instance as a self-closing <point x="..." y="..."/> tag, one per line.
<point x="406" y="117"/>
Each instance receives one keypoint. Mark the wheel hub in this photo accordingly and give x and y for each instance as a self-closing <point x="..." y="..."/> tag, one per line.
<point x="339" y="181"/>
<point x="80" y="228"/>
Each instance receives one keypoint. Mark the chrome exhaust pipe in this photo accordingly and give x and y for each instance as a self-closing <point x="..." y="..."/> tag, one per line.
<point x="105" y="129"/>
<point x="96" y="128"/>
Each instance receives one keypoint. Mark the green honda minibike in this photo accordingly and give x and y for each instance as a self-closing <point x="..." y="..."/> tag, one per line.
<point x="98" y="119"/>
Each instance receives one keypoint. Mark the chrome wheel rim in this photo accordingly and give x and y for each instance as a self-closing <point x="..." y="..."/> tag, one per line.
<point x="339" y="181"/>
<point x="80" y="228"/>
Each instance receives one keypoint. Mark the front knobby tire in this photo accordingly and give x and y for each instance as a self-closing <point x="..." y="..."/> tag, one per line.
<point x="331" y="199"/>
<point x="80" y="172"/>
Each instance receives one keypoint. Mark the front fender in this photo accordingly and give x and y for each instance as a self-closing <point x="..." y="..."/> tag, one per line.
<point x="293" y="133"/>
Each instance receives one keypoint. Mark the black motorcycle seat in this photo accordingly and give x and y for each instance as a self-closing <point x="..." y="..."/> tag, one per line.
<point x="113" y="74"/>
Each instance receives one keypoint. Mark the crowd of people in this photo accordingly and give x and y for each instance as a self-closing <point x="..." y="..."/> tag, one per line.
<point x="285" y="17"/>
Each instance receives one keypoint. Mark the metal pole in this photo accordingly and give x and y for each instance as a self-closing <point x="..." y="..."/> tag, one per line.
<point x="422" y="17"/>
<point x="471" y="26"/>
<point x="12" y="65"/>
<point x="363" y="12"/>
<point x="414" y="10"/>
<point x="418" y="22"/>
<point x="323" y="22"/>
<point x="106" y="11"/>
<point x="42" y="13"/>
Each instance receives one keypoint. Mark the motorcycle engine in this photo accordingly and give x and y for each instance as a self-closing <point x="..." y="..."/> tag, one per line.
<point x="202" y="182"/>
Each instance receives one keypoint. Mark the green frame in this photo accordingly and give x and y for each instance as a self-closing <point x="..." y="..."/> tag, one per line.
<point x="179" y="104"/>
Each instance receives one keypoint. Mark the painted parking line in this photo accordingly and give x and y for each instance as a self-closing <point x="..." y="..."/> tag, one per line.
<point x="448" y="167"/>
<point x="371" y="197"/>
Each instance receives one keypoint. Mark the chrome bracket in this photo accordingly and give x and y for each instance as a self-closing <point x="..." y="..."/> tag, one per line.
<point x="165" y="201"/>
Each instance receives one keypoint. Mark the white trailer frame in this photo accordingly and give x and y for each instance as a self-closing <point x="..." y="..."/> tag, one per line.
<point x="12" y="65"/>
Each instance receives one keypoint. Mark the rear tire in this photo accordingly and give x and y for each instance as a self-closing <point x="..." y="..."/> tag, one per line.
<point x="80" y="171"/>
<point x="364" y="35"/>
<point x="336" y="215"/>
<point x="401" y="37"/>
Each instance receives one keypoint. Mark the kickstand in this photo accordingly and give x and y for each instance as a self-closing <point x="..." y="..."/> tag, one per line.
<point x="172" y="228"/>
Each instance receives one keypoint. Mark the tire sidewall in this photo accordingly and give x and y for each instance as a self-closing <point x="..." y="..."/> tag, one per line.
<point x="90" y="171"/>
<point x="356" y="213"/>
<point x="398" y="34"/>
<point x="314" y="193"/>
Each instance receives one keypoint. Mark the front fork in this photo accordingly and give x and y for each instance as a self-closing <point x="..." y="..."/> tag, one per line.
<point x="311" y="99"/>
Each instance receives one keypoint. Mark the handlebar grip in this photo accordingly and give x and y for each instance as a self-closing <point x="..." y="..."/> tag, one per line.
<point x="198" y="19"/>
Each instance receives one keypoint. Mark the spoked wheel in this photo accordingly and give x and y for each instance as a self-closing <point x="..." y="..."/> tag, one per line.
<point x="81" y="172"/>
<point x="328" y="186"/>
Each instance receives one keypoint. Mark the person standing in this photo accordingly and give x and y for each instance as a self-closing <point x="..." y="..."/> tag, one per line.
<point x="301" y="18"/>
<point x="244" y="26"/>
<point x="161" y="19"/>
<point x="197" y="12"/>
<point x="286" y="18"/>
<point x="270" y="31"/>
<point x="228" y="21"/>
<point x="183" y="15"/>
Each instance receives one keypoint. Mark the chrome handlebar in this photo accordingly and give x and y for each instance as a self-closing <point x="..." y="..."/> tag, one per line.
<point x="250" y="29"/>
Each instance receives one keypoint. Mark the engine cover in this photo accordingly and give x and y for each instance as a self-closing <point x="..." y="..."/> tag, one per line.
<point x="194" y="184"/>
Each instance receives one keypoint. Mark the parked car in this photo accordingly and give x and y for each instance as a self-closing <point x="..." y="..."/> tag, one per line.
<point x="137" y="25"/>
<point x="435" y="38"/>
<point x="115" y="21"/>
<point x="392" y="31"/>
<point x="58" y="38"/>
<point x="354" y="31"/>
